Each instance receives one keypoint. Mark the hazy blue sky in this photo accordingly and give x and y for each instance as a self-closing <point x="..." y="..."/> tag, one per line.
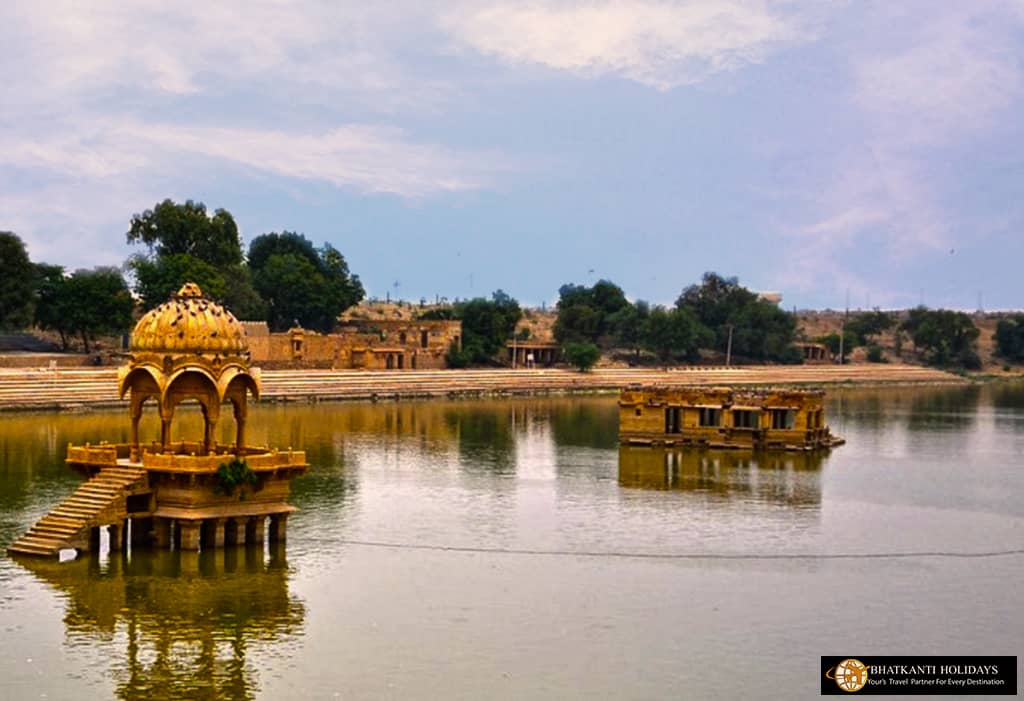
<point x="453" y="148"/>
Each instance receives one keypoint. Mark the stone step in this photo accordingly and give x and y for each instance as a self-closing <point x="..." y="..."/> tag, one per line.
<point x="34" y="550"/>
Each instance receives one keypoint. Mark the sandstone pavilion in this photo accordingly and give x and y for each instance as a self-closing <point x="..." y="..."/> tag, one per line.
<point x="187" y="494"/>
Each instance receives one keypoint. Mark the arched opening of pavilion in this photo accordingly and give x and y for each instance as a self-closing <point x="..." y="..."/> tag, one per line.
<point x="189" y="349"/>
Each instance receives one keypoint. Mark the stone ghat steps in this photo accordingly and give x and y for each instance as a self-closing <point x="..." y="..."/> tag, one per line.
<point x="67" y="388"/>
<point x="65" y="525"/>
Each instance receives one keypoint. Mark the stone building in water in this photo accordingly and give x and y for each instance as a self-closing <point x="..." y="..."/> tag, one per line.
<point x="167" y="491"/>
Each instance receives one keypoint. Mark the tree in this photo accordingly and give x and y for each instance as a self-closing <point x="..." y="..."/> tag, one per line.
<point x="674" y="333"/>
<point x="487" y="324"/>
<point x="585" y="313"/>
<point x="89" y="303"/>
<point x="52" y="311"/>
<point x="186" y="229"/>
<point x="760" y="330"/>
<point x="17" y="279"/>
<point x="300" y="283"/>
<point x="582" y="356"/>
<point x="627" y="325"/>
<point x="716" y="301"/>
<point x="944" y="337"/>
<point x="186" y="244"/>
<point x="157" y="278"/>
<point x="1010" y="338"/>
<point x="867" y="325"/>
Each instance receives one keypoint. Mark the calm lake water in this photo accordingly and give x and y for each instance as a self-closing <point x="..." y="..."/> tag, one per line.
<point x="511" y="549"/>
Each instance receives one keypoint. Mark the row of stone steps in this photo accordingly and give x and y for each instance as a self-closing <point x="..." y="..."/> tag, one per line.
<point x="58" y="388"/>
<point x="68" y="522"/>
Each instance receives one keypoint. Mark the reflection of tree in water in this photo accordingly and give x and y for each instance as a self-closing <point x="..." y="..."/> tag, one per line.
<point x="1007" y="395"/>
<point x="586" y="424"/>
<point x="791" y="478"/>
<point x="188" y="618"/>
<point x="939" y="408"/>
<point x="484" y="435"/>
<point x="918" y="408"/>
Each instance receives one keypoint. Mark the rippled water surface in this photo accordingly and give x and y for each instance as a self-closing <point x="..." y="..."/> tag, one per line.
<point x="511" y="549"/>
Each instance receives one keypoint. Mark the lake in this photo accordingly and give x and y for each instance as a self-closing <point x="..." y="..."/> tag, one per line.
<point x="511" y="549"/>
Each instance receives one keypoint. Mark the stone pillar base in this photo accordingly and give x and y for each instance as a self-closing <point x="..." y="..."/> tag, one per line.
<point x="255" y="530"/>
<point x="278" y="528"/>
<point x="189" y="531"/>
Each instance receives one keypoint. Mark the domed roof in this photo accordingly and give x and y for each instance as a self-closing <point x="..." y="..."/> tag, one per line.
<point x="189" y="323"/>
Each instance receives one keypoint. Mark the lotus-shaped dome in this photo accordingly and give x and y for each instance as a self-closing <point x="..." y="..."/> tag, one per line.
<point x="189" y="323"/>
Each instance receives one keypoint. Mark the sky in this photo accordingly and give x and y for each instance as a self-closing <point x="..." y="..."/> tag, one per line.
<point x="869" y="151"/>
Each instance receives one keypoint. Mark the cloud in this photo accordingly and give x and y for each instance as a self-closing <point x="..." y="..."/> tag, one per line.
<point x="660" y="44"/>
<point x="961" y="69"/>
<point x="925" y="87"/>
<point x="74" y="50"/>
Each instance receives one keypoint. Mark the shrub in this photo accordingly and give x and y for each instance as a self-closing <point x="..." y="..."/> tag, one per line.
<point x="582" y="355"/>
<point x="230" y="475"/>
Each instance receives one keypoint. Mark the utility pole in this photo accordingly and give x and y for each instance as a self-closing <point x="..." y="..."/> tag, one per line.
<point x="842" y="328"/>
<point x="728" y="349"/>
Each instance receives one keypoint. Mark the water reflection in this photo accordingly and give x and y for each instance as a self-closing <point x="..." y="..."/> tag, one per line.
<point x="922" y="409"/>
<point x="186" y="620"/>
<point x="792" y="479"/>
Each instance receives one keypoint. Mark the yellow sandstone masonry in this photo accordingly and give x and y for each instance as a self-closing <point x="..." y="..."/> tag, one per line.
<point x="173" y="493"/>
<point x="723" y="417"/>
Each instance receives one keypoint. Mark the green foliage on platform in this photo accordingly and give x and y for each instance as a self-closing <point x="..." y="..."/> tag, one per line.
<point x="232" y="475"/>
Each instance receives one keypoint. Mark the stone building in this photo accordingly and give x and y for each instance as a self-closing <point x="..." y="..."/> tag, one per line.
<point x="721" y="417"/>
<point x="187" y="494"/>
<point x="358" y="344"/>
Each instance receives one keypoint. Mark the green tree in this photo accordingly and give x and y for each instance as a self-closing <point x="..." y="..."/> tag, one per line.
<point x="17" y="280"/>
<point x="186" y="244"/>
<point x="96" y="302"/>
<point x="186" y="229"/>
<point x="586" y="313"/>
<point x="674" y="333"/>
<point x="1010" y="338"/>
<point x="582" y="356"/>
<point x="760" y="330"/>
<point x="865" y="326"/>
<point x="300" y="283"/>
<point x="52" y="311"/>
<point x="831" y="340"/>
<point x="157" y="278"/>
<point x="944" y="337"/>
<point x="627" y="325"/>
<point x="487" y="324"/>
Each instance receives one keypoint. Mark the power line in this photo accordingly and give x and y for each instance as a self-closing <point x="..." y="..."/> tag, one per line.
<point x="679" y="556"/>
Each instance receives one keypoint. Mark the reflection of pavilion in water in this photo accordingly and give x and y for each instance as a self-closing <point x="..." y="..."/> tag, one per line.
<point x="782" y="478"/>
<point x="188" y="618"/>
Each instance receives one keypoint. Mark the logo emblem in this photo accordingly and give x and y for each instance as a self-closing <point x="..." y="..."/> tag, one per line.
<point x="850" y="675"/>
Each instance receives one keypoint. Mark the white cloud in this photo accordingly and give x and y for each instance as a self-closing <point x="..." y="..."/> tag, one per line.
<point x="660" y="44"/>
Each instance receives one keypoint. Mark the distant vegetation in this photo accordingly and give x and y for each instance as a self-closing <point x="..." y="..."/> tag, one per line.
<point x="944" y="338"/>
<point x="285" y="279"/>
<point x="486" y="325"/>
<point x="718" y="315"/>
<point x="1010" y="338"/>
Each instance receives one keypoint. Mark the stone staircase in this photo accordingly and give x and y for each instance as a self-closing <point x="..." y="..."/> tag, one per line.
<point x="69" y="388"/>
<point x="99" y="501"/>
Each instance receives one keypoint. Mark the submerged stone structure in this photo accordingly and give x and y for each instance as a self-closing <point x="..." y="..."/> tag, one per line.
<point x="189" y="494"/>
<point x="722" y="417"/>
